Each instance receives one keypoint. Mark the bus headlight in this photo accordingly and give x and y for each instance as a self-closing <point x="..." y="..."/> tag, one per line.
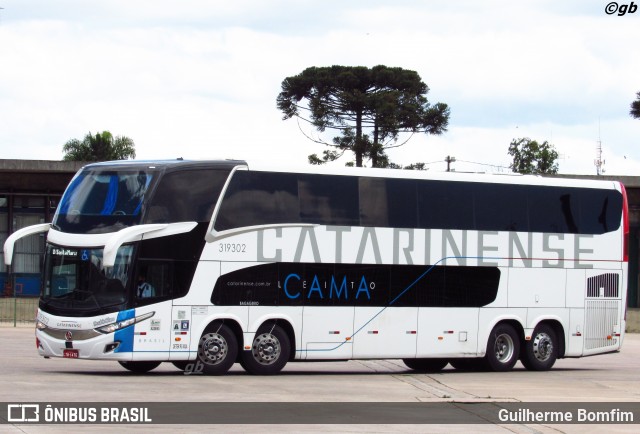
<point x="40" y="325"/>
<point x="110" y="328"/>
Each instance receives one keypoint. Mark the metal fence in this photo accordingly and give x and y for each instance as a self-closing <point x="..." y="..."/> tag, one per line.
<point x="16" y="311"/>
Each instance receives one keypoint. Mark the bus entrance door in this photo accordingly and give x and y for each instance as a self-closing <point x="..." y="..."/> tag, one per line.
<point x="180" y="332"/>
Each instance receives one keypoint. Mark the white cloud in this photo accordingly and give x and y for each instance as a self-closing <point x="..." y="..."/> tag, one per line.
<point x="199" y="79"/>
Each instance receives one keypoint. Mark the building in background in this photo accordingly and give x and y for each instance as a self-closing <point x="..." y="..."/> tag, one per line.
<point x="29" y="194"/>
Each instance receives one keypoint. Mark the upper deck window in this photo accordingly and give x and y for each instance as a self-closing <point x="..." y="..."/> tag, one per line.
<point x="271" y="198"/>
<point x="186" y="195"/>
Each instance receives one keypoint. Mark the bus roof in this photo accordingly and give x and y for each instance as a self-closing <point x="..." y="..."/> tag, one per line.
<point x="499" y="178"/>
<point x="165" y="164"/>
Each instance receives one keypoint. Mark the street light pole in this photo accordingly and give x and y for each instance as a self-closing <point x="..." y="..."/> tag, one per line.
<point x="449" y="160"/>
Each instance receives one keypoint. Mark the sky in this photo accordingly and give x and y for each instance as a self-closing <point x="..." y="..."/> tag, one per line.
<point x="198" y="79"/>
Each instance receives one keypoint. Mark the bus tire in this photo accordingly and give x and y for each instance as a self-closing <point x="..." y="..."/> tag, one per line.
<point x="217" y="349"/>
<point x="139" y="367"/>
<point x="426" y="365"/>
<point x="269" y="352"/>
<point x="503" y="348"/>
<point x="540" y="353"/>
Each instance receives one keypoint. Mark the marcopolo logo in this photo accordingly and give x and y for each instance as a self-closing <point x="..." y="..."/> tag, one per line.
<point x="620" y="9"/>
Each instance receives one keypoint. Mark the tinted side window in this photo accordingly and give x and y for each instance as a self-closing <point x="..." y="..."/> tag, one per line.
<point x="154" y="280"/>
<point x="403" y="207"/>
<point x="446" y="205"/>
<point x="158" y="280"/>
<point x="552" y="209"/>
<point x="374" y="202"/>
<point x="600" y="211"/>
<point x="500" y="208"/>
<point x="296" y="284"/>
<point x="432" y="205"/>
<point x="329" y="200"/>
<point x="454" y="286"/>
<point x="259" y="198"/>
<point x="262" y="198"/>
<point x="186" y="196"/>
<point x="169" y="263"/>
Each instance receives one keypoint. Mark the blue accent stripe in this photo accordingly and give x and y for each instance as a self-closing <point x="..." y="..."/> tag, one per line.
<point x="431" y="267"/>
<point x="125" y="335"/>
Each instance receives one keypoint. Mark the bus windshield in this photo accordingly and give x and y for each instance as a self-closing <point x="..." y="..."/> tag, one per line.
<point x="75" y="279"/>
<point x="102" y="201"/>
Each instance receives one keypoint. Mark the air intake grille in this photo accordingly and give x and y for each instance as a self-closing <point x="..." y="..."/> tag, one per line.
<point x="601" y="320"/>
<point x="603" y="286"/>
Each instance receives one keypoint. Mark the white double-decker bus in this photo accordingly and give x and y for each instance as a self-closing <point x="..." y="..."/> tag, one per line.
<point x="213" y="263"/>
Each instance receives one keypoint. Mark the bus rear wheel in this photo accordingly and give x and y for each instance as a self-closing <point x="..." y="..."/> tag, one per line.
<point x="269" y="351"/>
<point x="426" y="365"/>
<point x="540" y="353"/>
<point x="217" y="349"/>
<point x="139" y="367"/>
<point x="503" y="348"/>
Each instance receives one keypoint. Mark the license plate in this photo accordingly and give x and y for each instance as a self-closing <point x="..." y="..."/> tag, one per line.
<point x="71" y="354"/>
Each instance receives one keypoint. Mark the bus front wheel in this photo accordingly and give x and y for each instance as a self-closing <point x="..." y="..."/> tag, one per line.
<point x="139" y="367"/>
<point x="540" y="353"/>
<point x="217" y="349"/>
<point x="269" y="351"/>
<point x="503" y="348"/>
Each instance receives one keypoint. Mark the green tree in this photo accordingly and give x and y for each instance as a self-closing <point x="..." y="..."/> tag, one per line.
<point x="635" y="107"/>
<point x="369" y="107"/>
<point x="101" y="147"/>
<point x="531" y="157"/>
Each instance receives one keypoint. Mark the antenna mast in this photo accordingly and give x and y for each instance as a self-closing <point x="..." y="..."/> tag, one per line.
<point x="599" y="162"/>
